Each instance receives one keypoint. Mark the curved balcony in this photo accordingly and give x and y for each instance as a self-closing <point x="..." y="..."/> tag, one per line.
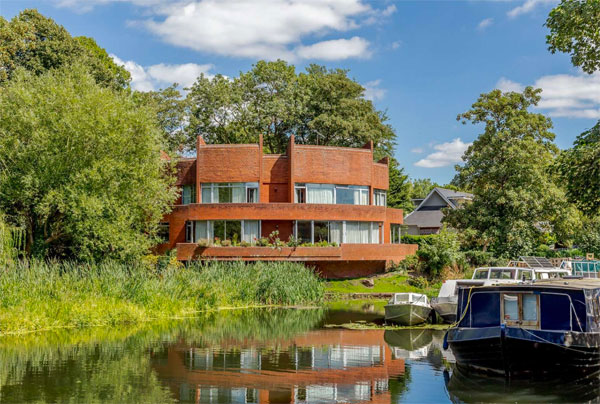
<point x="287" y="211"/>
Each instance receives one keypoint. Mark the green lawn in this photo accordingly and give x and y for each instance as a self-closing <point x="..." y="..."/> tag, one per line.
<point x="383" y="284"/>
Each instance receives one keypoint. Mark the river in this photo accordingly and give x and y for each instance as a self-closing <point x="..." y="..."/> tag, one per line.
<point x="257" y="356"/>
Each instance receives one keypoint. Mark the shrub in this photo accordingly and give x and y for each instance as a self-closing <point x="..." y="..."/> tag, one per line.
<point x="203" y="242"/>
<point x="418" y="239"/>
<point x="226" y="243"/>
<point x="441" y="251"/>
<point x="418" y="282"/>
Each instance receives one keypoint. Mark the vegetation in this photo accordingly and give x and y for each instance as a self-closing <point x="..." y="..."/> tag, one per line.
<point x="573" y="28"/>
<point x="389" y="283"/>
<point x="80" y="167"/>
<point x="41" y="295"/>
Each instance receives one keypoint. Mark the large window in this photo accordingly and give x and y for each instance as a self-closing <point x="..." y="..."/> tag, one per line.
<point x="330" y="194"/>
<point x="188" y="194"/>
<point x="230" y="192"/>
<point x="379" y="196"/>
<point x="337" y="232"/>
<point x="238" y="230"/>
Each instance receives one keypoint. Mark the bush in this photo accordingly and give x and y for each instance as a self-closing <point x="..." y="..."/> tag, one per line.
<point x="226" y="243"/>
<point x="419" y="240"/>
<point x="477" y="258"/>
<point x="441" y="251"/>
<point x="418" y="282"/>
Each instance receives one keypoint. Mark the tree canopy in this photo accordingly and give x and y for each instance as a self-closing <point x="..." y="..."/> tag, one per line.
<point x="37" y="43"/>
<point x="318" y="106"/>
<point x="79" y="166"/>
<point x="507" y="169"/>
<point x="574" y="30"/>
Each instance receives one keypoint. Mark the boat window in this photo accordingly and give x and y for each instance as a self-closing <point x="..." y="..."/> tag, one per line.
<point x="524" y="274"/>
<point x="502" y="274"/>
<point x="530" y="312"/>
<point x="480" y="274"/>
<point x="511" y="307"/>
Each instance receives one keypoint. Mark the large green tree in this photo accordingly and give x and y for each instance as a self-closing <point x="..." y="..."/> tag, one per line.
<point x="507" y="169"/>
<point x="399" y="192"/>
<point x="79" y="166"/>
<point x="318" y="106"/>
<point x="37" y="43"/>
<point x="574" y="30"/>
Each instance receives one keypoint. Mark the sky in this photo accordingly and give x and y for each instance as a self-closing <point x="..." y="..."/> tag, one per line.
<point x="421" y="61"/>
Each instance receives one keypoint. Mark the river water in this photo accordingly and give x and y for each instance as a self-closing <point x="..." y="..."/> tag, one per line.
<point x="257" y="356"/>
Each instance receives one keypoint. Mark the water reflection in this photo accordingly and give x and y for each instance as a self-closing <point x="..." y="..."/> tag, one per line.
<point x="255" y="356"/>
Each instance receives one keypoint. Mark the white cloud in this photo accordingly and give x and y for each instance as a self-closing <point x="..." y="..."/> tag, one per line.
<point x="372" y="90"/>
<point x="447" y="154"/>
<point x="483" y="24"/>
<point x="571" y="96"/>
<point x="267" y="29"/>
<point x="527" y="7"/>
<point x="337" y="49"/>
<point x="507" y="85"/>
<point x="417" y="150"/>
<point x="162" y="75"/>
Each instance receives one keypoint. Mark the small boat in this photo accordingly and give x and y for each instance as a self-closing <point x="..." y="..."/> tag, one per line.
<point x="447" y="300"/>
<point x="408" y="308"/>
<point x="536" y="328"/>
<point x="409" y="343"/>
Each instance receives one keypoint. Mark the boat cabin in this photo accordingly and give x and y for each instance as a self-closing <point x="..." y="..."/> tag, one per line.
<point x="556" y="305"/>
<point x="518" y="274"/>
<point x="411" y="298"/>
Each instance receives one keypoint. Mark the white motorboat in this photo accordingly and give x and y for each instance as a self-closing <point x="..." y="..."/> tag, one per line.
<point x="408" y="308"/>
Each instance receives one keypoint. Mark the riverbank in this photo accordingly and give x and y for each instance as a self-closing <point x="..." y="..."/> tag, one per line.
<point x="379" y="286"/>
<point x="39" y="295"/>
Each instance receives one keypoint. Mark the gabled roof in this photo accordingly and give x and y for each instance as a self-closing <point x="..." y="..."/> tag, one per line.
<point x="433" y="218"/>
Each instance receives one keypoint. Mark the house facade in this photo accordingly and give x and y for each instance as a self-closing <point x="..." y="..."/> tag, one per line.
<point x="312" y="194"/>
<point x="428" y="214"/>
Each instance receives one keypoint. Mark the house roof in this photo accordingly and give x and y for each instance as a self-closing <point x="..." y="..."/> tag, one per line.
<point x="448" y="193"/>
<point x="425" y="218"/>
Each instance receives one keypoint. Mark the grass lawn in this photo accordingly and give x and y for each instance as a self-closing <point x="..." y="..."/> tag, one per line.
<point x="387" y="283"/>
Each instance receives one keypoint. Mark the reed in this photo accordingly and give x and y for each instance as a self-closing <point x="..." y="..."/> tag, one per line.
<point x="39" y="295"/>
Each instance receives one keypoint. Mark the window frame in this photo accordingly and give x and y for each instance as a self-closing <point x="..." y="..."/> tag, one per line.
<point x="521" y="322"/>
<point x="214" y="188"/>
<point x="377" y="195"/>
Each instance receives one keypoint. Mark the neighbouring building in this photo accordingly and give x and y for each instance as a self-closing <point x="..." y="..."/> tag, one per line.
<point x="237" y="192"/>
<point x="427" y="216"/>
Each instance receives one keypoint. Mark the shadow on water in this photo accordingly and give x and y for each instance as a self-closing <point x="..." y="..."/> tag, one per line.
<point x="464" y="386"/>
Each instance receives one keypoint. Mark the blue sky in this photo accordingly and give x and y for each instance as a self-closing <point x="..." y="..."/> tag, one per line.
<point x="421" y="61"/>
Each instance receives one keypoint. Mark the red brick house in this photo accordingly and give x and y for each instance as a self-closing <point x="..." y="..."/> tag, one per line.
<point x="313" y="193"/>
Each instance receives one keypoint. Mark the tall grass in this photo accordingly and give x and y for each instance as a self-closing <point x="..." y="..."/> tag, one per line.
<point x="11" y="242"/>
<point x="43" y="295"/>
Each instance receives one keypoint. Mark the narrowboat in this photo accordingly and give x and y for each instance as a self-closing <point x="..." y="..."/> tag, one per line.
<point x="408" y="308"/>
<point x="446" y="302"/>
<point x="536" y="328"/>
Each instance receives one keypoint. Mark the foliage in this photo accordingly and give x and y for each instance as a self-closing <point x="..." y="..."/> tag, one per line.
<point x="421" y="187"/>
<point x="40" y="295"/>
<point x="80" y="167"/>
<point x="546" y="251"/>
<point x="38" y="44"/>
<point x="476" y="258"/>
<point x="418" y="282"/>
<point x="507" y="170"/>
<point x="318" y="106"/>
<point x="420" y="240"/>
<point x="388" y="283"/>
<point x="574" y="30"/>
<point x="579" y="168"/>
<point x="588" y="239"/>
<point x="171" y="113"/>
<point x="11" y="242"/>
<point x="399" y="194"/>
<point x="442" y="251"/>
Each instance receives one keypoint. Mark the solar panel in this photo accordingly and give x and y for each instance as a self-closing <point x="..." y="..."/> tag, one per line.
<point x="537" y="262"/>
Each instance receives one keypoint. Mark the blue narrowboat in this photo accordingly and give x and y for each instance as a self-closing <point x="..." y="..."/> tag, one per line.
<point x="533" y="328"/>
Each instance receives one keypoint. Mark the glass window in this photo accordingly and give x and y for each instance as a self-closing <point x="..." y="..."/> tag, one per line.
<point x="530" y="307"/>
<point x="524" y="274"/>
<point x="207" y="193"/>
<point x="300" y="195"/>
<point x="379" y="196"/>
<point x="252" y="195"/>
<point x="233" y="230"/>
<point x="396" y="230"/>
<point x="358" y="232"/>
<point x="189" y="232"/>
<point x="335" y="232"/>
<point x="511" y="307"/>
<point x="351" y="195"/>
<point x="321" y="231"/>
<point x="201" y="232"/>
<point x="251" y="231"/>
<point x="188" y="194"/>
<point x="230" y="192"/>
<point x="480" y="274"/>
<point x="218" y="227"/>
<point x="502" y="274"/>
<point x="163" y="231"/>
<point x="224" y="194"/>
<point x="375" y="233"/>
<point x="303" y="231"/>
<point x="319" y="193"/>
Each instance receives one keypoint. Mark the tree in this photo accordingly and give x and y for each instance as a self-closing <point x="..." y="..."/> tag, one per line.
<point x="507" y="169"/>
<point x="38" y="44"/>
<point x="171" y="113"/>
<point x="79" y="166"/>
<point x="399" y="192"/>
<point x="574" y="30"/>
<point x="319" y="106"/>
<point x="421" y="187"/>
<point x="579" y="168"/>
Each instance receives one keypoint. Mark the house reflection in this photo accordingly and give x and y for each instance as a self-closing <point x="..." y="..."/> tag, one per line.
<point x="319" y="366"/>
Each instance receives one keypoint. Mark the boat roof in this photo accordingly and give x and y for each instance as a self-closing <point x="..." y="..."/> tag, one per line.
<point x="585" y="283"/>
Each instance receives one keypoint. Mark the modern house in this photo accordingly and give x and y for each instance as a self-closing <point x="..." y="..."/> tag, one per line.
<point x="313" y="194"/>
<point x="427" y="216"/>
